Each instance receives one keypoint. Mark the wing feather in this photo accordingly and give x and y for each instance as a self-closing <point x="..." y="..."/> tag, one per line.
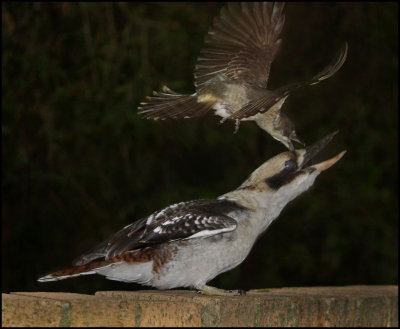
<point x="115" y="244"/>
<point x="264" y="103"/>
<point x="185" y="220"/>
<point x="241" y="44"/>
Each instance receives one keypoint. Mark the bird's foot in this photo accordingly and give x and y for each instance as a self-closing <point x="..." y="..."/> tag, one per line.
<point x="237" y="124"/>
<point x="223" y="120"/>
<point x="208" y="290"/>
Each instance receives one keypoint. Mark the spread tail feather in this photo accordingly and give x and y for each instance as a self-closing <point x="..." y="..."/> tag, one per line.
<point x="169" y="104"/>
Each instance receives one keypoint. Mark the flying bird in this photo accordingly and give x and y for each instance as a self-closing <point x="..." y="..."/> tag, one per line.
<point x="232" y="71"/>
<point x="189" y="243"/>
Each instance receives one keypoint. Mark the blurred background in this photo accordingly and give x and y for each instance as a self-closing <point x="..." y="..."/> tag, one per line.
<point x="79" y="163"/>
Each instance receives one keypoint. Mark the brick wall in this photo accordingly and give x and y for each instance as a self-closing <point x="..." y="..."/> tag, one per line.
<point x="311" y="306"/>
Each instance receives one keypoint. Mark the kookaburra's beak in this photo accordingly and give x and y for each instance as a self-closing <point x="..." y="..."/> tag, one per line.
<point x="312" y="150"/>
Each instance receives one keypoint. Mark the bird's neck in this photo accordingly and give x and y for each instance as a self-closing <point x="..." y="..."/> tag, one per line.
<point x="265" y="205"/>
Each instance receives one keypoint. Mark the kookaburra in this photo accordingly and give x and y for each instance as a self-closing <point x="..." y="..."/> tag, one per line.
<point x="189" y="243"/>
<point x="232" y="72"/>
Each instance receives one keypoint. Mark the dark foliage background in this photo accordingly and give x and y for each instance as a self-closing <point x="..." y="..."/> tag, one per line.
<point x="79" y="163"/>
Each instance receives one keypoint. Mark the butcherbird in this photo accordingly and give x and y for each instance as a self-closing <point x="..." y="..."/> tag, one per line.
<point x="189" y="243"/>
<point x="232" y="72"/>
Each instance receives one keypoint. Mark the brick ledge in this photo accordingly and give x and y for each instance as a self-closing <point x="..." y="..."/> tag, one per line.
<point x="305" y="306"/>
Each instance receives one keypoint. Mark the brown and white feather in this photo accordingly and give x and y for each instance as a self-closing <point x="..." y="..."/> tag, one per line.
<point x="241" y="44"/>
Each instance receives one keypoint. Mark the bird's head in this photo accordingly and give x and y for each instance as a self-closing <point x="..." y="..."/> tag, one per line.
<point x="289" y="174"/>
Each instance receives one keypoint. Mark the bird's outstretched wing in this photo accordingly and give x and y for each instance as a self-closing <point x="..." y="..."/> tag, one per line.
<point x="263" y="104"/>
<point x="185" y="220"/>
<point x="241" y="44"/>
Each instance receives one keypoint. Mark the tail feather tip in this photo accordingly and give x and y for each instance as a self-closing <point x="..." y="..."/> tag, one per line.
<point x="61" y="276"/>
<point x="47" y="278"/>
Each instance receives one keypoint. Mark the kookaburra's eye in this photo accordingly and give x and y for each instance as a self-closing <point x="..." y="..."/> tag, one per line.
<point x="290" y="165"/>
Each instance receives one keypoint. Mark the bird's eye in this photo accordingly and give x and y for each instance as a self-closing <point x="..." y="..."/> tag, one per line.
<point x="290" y="165"/>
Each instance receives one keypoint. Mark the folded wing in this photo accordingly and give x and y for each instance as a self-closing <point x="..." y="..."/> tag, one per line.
<point x="185" y="220"/>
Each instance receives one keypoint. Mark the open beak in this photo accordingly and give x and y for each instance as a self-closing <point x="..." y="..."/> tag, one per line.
<point x="328" y="163"/>
<point x="296" y="138"/>
<point x="312" y="150"/>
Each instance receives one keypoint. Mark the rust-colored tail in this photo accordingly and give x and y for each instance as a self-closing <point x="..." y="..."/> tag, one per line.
<point x="134" y="256"/>
<point x="75" y="271"/>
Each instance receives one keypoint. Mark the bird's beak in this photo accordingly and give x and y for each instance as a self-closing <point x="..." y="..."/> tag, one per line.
<point x="328" y="163"/>
<point x="312" y="150"/>
<point x="296" y="138"/>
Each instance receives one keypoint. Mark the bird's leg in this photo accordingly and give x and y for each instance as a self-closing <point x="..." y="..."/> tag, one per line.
<point x="208" y="290"/>
<point x="237" y="123"/>
<point x="223" y="120"/>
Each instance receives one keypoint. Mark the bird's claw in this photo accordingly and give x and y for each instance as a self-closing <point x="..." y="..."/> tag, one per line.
<point x="208" y="290"/>
<point x="240" y="292"/>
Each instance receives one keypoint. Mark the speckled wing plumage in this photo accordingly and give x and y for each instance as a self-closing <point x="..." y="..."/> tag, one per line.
<point x="241" y="44"/>
<point x="139" y="241"/>
<point x="179" y="221"/>
<point x="186" y="220"/>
